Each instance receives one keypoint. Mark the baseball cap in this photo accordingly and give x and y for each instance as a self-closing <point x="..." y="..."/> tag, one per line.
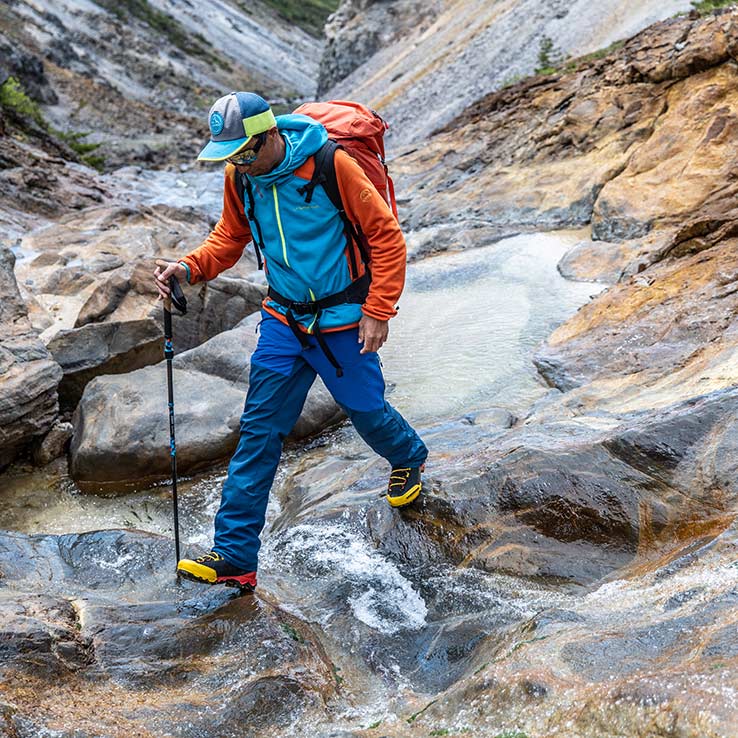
<point x="233" y="120"/>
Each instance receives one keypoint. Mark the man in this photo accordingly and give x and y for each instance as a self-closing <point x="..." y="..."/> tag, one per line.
<point x="324" y="314"/>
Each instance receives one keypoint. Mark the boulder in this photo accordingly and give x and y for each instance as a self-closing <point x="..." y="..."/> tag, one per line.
<point x="113" y="620"/>
<point x="121" y="432"/>
<point x="649" y="327"/>
<point x="103" y="348"/>
<point x="596" y="261"/>
<point x="54" y="444"/>
<point x="41" y="632"/>
<point x="96" y="299"/>
<point x="29" y="376"/>
<point x="565" y="499"/>
<point x="128" y="293"/>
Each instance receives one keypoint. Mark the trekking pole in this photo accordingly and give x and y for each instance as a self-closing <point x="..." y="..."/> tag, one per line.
<point x="179" y="301"/>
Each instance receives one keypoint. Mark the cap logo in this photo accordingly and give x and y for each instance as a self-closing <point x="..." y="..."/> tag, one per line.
<point x="216" y="123"/>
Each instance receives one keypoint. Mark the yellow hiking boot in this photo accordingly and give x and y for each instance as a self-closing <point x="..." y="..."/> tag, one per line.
<point x="404" y="485"/>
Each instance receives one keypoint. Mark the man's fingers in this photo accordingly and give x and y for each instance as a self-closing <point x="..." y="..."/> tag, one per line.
<point x="162" y="272"/>
<point x="370" y="345"/>
<point x="165" y="269"/>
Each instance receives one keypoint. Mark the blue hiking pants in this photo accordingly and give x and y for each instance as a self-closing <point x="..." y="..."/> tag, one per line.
<point x="281" y="375"/>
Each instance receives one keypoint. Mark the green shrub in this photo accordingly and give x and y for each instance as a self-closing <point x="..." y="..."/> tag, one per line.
<point x="705" y="6"/>
<point x="13" y="97"/>
<point x="548" y="58"/>
<point x="292" y="632"/>
<point x="73" y="139"/>
<point x="310" y="15"/>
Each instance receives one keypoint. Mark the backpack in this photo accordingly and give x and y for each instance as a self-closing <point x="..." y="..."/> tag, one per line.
<point x="359" y="131"/>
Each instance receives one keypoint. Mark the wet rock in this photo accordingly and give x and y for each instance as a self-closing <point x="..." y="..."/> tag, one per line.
<point x="54" y="444"/>
<point x="621" y="663"/>
<point x="28" y="375"/>
<point x="573" y="497"/>
<point x="41" y="634"/>
<point x="571" y="500"/>
<point x="650" y="323"/>
<point x="114" y="619"/>
<point x="271" y="702"/>
<point x="121" y="432"/>
<point x="7" y="711"/>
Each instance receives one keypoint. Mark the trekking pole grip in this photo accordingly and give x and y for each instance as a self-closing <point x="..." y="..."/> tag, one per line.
<point x="168" y="319"/>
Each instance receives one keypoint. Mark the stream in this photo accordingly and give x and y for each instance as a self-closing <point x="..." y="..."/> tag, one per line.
<point x="458" y="365"/>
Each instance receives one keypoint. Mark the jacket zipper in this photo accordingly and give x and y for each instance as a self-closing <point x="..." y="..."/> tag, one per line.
<point x="279" y="225"/>
<point x="284" y="248"/>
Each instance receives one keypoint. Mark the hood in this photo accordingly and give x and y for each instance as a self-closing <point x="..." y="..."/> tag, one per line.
<point x="303" y="137"/>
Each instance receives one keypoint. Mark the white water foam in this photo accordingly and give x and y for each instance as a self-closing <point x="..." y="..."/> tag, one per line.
<point x="381" y="597"/>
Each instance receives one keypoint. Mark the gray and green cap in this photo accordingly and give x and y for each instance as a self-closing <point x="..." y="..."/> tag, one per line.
<point x="234" y="119"/>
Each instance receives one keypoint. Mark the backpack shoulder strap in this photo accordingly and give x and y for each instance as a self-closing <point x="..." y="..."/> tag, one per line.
<point x="243" y="187"/>
<point x="325" y="162"/>
<point x="240" y="184"/>
<point x="324" y="174"/>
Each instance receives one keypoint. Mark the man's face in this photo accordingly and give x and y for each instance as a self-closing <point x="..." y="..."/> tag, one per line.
<point x="261" y="157"/>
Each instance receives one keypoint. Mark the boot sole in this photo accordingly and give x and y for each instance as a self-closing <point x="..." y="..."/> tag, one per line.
<point x="410" y="496"/>
<point x="204" y="575"/>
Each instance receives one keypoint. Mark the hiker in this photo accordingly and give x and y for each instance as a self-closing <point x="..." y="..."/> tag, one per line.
<point x="324" y="313"/>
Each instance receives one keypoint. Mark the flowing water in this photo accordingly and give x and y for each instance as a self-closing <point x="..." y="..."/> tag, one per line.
<point x="403" y="630"/>
<point x="461" y="345"/>
<point x="460" y="348"/>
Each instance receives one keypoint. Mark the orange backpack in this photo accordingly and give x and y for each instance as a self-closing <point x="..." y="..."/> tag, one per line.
<point x="359" y="131"/>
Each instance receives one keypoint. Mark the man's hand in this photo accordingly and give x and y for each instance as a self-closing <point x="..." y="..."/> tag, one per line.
<point x="164" y="270"/>
<point x="372" y="333"/>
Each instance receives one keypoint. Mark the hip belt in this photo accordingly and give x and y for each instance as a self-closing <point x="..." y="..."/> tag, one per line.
<point x="355" y="294"/>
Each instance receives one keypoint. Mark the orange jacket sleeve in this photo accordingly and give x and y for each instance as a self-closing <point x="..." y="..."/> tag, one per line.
<point x="225" y="244"/>
<point x="365" y="206"/>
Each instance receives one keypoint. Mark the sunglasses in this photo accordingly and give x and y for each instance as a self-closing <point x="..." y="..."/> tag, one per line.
<point x="248" y="156"/>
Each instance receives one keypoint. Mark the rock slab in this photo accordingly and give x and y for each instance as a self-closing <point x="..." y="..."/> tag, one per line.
<point x="121" y="432"/>
<point x="28" y="375"/>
